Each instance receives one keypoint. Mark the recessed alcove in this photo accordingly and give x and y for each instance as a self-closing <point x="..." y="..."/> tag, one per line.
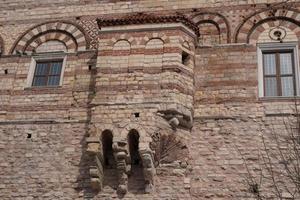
<point x="110" y="178"/>
<point x="136" y="181"/>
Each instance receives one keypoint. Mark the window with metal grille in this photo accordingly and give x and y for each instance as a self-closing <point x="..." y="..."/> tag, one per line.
<point x="47" y="73"/>
<point x="279" y="73"/>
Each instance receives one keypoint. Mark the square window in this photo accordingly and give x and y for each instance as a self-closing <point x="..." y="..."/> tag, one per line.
<point x="279" y="73"/>
<point x="278" y="70"/>
<point x="47" y="73"/>
<point x="46" y="70"/>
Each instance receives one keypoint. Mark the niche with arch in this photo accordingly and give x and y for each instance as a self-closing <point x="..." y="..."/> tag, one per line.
<point x="110" y="177"/>
<point x="133" y="144"/>
<point x="108" y="157"/>
<point x="154" y="51"/>
<point x="136" y="180"/>
<point x="210" y="34"/>
<point x="121" y="53"/>
<point x="213" y="28"/>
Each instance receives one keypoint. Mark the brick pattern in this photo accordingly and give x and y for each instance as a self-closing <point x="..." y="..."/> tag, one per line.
<point x="216" y="19"/>
<point x="260" y="21"/>
<point x="132" y="77"/>
<point x="89" y="24"/>
<point x="69" y="34"/>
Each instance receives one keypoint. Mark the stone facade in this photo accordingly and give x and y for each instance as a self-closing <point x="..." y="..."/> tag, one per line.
<point x="156" y="99"/>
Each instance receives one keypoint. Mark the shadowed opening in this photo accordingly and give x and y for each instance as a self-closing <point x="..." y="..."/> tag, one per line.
<point x="109" y="164"/>
<point x="108" y="157"/>
<point x="133" y="141"/>
<point x="136" y="181"/>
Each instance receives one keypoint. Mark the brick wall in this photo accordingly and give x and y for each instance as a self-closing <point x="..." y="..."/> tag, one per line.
<point x="138" y="66"/>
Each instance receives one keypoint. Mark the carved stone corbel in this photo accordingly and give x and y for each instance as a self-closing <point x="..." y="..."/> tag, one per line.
<point x="177" y="119"/>
<point x="122" y="159"/>
<point x="149" y="168"/>
<point x="96" y="171"/>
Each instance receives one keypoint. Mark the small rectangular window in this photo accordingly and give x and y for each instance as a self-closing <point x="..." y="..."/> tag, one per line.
<point x="47" y="73"/>
<point x="279" y="73"/>
<point x="185" y="58"/>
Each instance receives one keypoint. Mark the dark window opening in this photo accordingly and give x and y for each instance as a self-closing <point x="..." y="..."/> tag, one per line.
<point x="279" y="73"/>
<point x="6" y="71"/>
<point x="185" y="58"/>
<point x="137" y="115"/>
<point x="47" y="73"/>
<point x="90" y="67"/>
<point x="107" y="140"/>
<point x="133" y="141"/>
<point x="29" y="135"/>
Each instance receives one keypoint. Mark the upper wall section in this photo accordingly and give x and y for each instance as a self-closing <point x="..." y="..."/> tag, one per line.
<point x="237" y="22"/>
<point x="37" y="10"/>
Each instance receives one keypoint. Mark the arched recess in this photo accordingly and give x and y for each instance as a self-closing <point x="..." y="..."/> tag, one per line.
<point x="121" y="52"/>
<point x="107" y="149"/>
<point x="68" y="33"/>
<point x="258" y="22"/>
<point x="144" y="138"/>
<point x="154" y="51"/>
<point x="133" y="146"/>
<point x="213" y="27"/>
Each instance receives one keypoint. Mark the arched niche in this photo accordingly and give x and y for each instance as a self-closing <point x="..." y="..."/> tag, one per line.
<point x="213" y="27"/>
<point x="154" y="51"/>
<point x="107" y="149"/>
<point x="133" y="146"/>
<point x="121" y="50"/>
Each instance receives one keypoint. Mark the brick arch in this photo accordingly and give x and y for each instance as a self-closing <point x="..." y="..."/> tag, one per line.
<point x="216" y="19"/>
<point x="144" y="138"/>
<point x="97" y="131"/>
<point x="65" y="38"/>
<point x="149" y="45"/>
<point x="70" y="34"/>
<point x="265" y="24"/>
<point x="118" y="38"/>
<point x="118" y="42"/>
<point x="260" y="21"/>
<point x="151" y="36"/>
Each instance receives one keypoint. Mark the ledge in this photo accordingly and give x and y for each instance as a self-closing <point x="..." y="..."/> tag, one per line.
<point x="43" y="87"/>
<point x="279" y="99"/>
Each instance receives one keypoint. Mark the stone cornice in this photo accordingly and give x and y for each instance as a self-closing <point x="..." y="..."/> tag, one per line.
<point x="148" y="18"/>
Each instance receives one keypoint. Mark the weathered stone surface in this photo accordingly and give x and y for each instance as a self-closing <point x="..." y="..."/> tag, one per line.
<point x="192" y="99"/>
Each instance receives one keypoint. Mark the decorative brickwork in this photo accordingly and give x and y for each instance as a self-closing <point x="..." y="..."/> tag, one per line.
<point x="158" y="99"/>
<point x="256" y="23"/>
<point x="217" y="20"/>
<point x="89" y="24"/>
<point x="69" y="34"/>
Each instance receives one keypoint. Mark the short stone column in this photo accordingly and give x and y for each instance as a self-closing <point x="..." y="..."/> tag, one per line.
<point x="147" y="157"/>
<point x="96" y="171"/>
<point x="122" y="160"/>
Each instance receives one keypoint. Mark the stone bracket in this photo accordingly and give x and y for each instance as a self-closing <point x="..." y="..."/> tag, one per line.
<point x="96" y="172"/>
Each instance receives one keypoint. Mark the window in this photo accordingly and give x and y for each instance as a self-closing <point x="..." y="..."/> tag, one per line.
<point x="47" y="73"/>
<point x="278" y="70"/>
<point x="185" y="58"/>
<point x="46" y="70"/>
<point x="279" y="73"/>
